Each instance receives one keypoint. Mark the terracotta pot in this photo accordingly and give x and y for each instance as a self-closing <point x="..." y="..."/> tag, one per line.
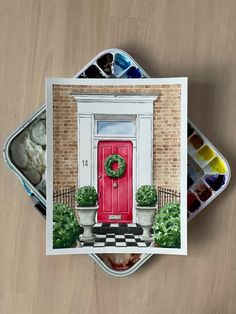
<point x="145" y="216"/>
<point x="86" y="218"/>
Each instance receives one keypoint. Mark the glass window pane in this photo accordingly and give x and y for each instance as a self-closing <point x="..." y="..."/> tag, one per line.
<point x="115" y="127"/>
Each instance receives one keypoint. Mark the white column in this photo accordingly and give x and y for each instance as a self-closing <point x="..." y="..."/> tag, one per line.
<point x="144" y="149"/>
<point x="85" y="149"/>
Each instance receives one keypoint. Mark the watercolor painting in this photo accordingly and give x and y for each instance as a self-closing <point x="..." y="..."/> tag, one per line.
<point x="117" y="166"/>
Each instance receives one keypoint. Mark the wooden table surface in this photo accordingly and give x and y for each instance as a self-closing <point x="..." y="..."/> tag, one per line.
<point x="56" y="38"/>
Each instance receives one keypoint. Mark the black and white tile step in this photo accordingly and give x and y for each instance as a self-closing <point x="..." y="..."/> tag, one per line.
<point x="117" y="228"/>
<point x="116" y="240"/>
<point x="117" y="235"/>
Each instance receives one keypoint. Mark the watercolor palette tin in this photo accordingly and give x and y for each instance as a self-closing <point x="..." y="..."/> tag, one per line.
<point x="208" y="171"/>
<point x="112" y="64"/>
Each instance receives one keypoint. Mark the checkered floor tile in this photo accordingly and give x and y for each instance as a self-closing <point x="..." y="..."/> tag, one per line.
<point x="116" y="240"/>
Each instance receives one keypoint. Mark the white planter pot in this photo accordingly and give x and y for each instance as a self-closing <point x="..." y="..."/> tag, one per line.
<point x="86" y="218"/>
<point x="145" y="216"/>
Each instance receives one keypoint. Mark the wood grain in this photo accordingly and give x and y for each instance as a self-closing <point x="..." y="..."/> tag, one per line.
<point x="168" y="38"/>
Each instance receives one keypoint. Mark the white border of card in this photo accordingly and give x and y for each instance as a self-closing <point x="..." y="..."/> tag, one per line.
<point x="183" y="166"/>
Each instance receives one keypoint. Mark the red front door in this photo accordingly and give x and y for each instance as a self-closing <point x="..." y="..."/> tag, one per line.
<point x="115" y="198"/>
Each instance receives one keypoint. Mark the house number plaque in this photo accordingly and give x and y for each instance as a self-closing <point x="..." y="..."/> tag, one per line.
<point x="85" y="163"/>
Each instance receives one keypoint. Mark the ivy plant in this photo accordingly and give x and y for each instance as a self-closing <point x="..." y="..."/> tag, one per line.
<point x="166" y="226"/>
<point x="146" y="196"/>
<point x="66" y="229"/>
<point x="86" y="196"/>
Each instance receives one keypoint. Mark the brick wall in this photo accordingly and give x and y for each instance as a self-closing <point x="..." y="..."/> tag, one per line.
<point x="166" y="132"/>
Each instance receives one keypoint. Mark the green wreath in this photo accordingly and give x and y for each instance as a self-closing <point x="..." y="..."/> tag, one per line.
<point x="108" y="166"/>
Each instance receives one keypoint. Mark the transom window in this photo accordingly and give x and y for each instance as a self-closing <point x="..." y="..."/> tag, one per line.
<point x="116" y="127"/>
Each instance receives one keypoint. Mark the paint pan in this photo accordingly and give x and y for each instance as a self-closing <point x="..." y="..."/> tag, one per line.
<point x="106" y="63"/>
<point x="121" y="64"/>
<point x="204" y="154"/>
<point x="117" y="63"/>
<point x="193" y="203"/>
<point x="132" y="72"/>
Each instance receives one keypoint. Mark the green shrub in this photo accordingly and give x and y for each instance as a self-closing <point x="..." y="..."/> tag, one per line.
<point x="146" y="196"/>
<point x="166" y="226"/>
<point x="66" y="229"/>
<point x="86" y="196"/>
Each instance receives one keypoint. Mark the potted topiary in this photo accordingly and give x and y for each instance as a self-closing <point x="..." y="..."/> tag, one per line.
<point x="146" y="200"/>
<point x="66" y="229"/>
<point x="86" y="198"/>
<point x="166" y="226"/>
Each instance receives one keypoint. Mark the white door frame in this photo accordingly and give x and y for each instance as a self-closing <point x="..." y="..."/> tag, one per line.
<point x="140" y="106"/>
